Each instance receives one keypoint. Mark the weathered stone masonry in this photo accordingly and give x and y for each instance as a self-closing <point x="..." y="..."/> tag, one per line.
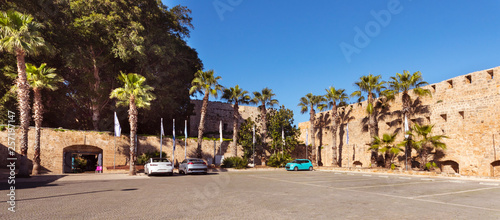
<point x="465" y="108"/>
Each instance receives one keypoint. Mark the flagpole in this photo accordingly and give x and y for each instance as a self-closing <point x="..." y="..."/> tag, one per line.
<point x="253" y="146"/>
<point x="185" y="138"/>
<point x="173" y="146"/>
<point x="161" y="138"/>
<point x="114" y="154"/>
<point x="118" y="131"/>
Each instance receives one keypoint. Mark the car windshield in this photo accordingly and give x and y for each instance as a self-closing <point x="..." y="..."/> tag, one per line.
<point x="160" y="160"/>
<point x="296" y="161"/>
<point x="196" y="161"/>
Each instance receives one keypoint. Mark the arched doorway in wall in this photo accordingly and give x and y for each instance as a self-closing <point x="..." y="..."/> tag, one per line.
<point x="357" y="164"/>
<point x="81" y="158"/>
<point x="495" y="168"/>
<point x="450" y="166"/>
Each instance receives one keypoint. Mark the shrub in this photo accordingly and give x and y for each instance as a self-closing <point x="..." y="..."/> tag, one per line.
<point x="141" y="159"/>
<point x="235" y="162"/>
<point x="275" y="161"/>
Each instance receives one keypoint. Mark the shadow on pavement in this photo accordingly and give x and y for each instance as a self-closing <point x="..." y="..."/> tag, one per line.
<point x="31" y="182"/>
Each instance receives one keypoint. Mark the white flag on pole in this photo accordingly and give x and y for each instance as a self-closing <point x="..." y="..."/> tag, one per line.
<point x="220" y="131"/>
<point x="406" y="127"/>
<point x="253" y="139"/>
<point x="162" y="133"/>
<point x="118" y="129"/>
<point x="283" y="136"/>
<point x="173" y="132"/>
<point x="307" y="137"/>
<point x="185" y="129"/>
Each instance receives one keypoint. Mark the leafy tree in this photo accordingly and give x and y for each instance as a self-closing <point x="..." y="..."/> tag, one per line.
<point x="135" y="94"/>
<point x="403" y="83"/>
<point x="19" y="35"/>
<point x="236" y="95"/>
<point x="207" y="84"/>
<point x="280" y="122"/>
<point x="264" y="99"/>
<point x="386" y="145"/>
<point x="422" y="140"/>
<point x="40" y="78"/>
<point x="245" y="137"/>
<point x="335" y="98"/>
<point x="371" y="85"/>
<point x="309" y="103"/>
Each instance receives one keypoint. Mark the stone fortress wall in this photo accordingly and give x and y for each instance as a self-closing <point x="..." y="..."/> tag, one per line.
<point x="216" y="112"/>
<point x="465" y="108"/>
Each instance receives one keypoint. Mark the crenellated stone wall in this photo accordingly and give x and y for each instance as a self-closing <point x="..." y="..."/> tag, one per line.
<point x="465" y="108"/>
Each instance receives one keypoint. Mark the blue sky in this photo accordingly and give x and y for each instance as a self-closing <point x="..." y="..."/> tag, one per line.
<point x="295" y="47"/>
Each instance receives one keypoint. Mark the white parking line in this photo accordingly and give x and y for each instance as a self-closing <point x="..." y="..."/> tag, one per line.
<point x="337" y="173"/>
<point x="367" y="175"/>
<point x="455" y="181"/>
<point x="489" y="184"/>
<point x="351" y="174"/>
<point x="451" y="193"/>
<point x="428" y="179"/>
<point x="405" y="178"/>
<point x="384" y="176"/>
<point x="373" y="186"/>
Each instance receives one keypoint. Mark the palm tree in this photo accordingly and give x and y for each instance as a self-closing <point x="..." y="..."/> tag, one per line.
<point x="426" y="143"/>
<point x="386" y="145"/>
<point x="309" y="103"/>
<point x="19" y="35"/>
<point x="335" y="98"/>
<point x="135" y="94"/>
<point x="403" y="83"/>
<point x="371" y="85"/>
<point x="205" y="83"/>
<point x="236" y="95"/>
<point x="40" y="78"/>
<point x="264" y="98"/>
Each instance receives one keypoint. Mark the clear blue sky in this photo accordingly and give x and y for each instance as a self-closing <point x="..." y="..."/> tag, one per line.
<point x="294" y="47"/>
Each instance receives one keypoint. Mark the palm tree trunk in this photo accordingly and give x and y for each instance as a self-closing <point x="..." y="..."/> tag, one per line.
<point x="235" y="128"/>
<point x="406" y="110"/>
<point x="334" y="135"/>
<point x="313" y="134"/>
<point x="263" y="115"/>
<point x="201" y="127"/>
<point x="23" y="97"/>
<point x="132" y="118"/>
<point x="38" y="117"/>
<point x="372" y="130"/>
<point x="95" y="100"/>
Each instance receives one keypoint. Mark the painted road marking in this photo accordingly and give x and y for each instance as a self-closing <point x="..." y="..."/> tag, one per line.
<point x="489" y="184"/>
<point x="428" y="179"/>
<point x="456" y="181"/>
<point x="367" y="175"/>
<point x="405" y="178"/>
<point x="384" y="176"/>
<point x="451" y="193"/>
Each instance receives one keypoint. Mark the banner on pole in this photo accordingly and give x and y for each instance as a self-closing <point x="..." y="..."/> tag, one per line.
<point x="173" y="132"/>
<point x="118" y="129"/>
<point x="162" y="132"/>
<point x="220" y="131"/>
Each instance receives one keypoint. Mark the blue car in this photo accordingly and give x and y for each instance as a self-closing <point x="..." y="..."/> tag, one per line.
<point x="299" y="164"/>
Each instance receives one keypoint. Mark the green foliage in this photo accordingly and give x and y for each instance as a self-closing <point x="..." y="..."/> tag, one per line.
<point x="310" y="101"/>
<point x="80" y="164"/>
<point x="3" y="127"/>
<point x="264" y="98"/>
<point x="278" y="121"/>
<point x="423" y="142"/>
<point x="430" y="165"/>
<point x="245" y="137"/>
<point x="277" y="160"/>
<point x="393" y="166"/>
<point x="205" y="82"/>
<point x="133" y="85"/>
<point x="386" y="145"/>
<point x="235" y="162"/>
<point x="144" y="157"/>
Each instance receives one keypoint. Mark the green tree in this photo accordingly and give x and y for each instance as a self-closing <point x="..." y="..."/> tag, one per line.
<point x="236" y="96"/>
<point x="403" y="83"/>
<point x="135" y="94"/>
<point x="309" y="103"/>
<point x="40" y="78"/>
<point x="279" y="122"/>
<point x="245" y="137"/>
<point x="335" y="98"/>
<point x="372" y="86"/>
<point x="387" y="146"/>
<point x="264" y="99"/>
<point x="422" y="140"/>
<point x="207" y="84"/>
<point x="19" y="35"/>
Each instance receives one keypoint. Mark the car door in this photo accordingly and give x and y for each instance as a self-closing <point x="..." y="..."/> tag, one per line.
<point x="182" y="166"/>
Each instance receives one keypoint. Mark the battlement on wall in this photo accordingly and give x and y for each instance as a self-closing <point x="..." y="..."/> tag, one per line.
<point x="465" y="108"/>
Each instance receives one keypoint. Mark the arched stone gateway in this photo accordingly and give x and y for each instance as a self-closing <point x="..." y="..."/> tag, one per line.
<point x="495" y="168"/>
<point x="450" y="166"/>
<point x="87" y="152"/>
<point x="357" y="164"/>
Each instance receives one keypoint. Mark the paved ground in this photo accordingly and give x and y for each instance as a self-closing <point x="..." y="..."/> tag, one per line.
<point x="253" y="195"/>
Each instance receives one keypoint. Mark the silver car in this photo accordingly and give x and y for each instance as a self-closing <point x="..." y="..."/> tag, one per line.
<point x="158" y="166"/>
<point x="193" y="165"/>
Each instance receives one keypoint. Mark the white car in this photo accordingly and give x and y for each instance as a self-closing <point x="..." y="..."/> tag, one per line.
<point x="158" y="166"/>
<point x="193" y="165"/>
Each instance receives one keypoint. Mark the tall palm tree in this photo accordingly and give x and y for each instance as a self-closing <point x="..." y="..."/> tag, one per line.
<point x="263" y="99"/>
<point x="40" y="78"/>
<point x="236" y="95"/>
<point x="207" y="84"/>
<point x="386" y="145"/>
<point x="19" y="35"/>
<point x="371" y="85"/>
<point x="335" y="98"/>
<point x="135" y="94"/>
<point x="403" y="83"/>
<point x="309" y="103"/>
<point x="426" y="142"/>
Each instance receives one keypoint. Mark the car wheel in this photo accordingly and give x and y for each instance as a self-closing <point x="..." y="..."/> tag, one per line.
<point x="296" y="169"/>
<point x="310" y="168"/>
<point x="171" y="173"/>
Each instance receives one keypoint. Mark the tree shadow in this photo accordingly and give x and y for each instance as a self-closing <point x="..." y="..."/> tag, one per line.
<point x="345" y="117"/>
<point x="323" y="123"/>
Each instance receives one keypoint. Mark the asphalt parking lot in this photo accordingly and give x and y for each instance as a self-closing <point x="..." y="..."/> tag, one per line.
<point x="255" y="195"/>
